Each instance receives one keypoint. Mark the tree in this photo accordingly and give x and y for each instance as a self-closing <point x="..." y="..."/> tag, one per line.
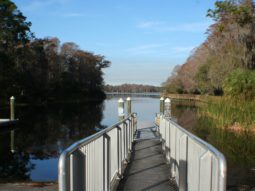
<point x="42" y="70"/>
<point x="230" y="45"/>
<point x="14" y="34"/>
<point x="132" y="88"/>
<point x="14" y="29"/>
<point x="240" y="84"/>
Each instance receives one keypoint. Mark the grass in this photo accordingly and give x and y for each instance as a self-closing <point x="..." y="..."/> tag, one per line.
<point x="237" y="115"/>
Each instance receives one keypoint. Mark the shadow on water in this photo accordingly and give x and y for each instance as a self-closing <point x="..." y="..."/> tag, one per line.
<point x="31" y="151"/>
<point x="238" y="148"/>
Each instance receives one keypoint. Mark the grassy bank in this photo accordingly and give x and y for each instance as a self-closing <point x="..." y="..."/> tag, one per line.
<point x="191" y="97"/>
<point x="236" y="115"/>
<point x="231" y="114"/>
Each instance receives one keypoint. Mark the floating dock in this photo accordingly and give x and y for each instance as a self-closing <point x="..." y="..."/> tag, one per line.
<point x="147" y="169"/>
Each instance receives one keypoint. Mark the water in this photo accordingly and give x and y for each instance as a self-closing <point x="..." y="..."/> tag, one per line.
<point x="31" y="150"/>
<point x="44" y="132"/>
<point x="239" y="149"/>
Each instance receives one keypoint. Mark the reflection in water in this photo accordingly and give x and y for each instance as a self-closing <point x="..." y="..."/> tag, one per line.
<point x="185" y="112"/>
<point x="42" y="134"/>
<point x="13" y="165"/>
<point x="12" y="148"/>
<point x="239" y="149"/>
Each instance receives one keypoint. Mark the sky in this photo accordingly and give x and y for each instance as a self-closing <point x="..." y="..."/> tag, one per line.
<point x="144" y="39"/>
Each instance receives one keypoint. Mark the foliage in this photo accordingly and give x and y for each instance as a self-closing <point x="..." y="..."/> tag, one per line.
<point x="203" y="79"/>
<point x="240" y="84"/>
<point x="14" y="30"/>
<point x="229" y="113"/>
<point x="41" y="70"/>
<point x="230" y="45"/>
<point x="131" y="88"/>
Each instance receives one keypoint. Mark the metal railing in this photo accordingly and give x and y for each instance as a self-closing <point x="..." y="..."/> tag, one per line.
<point x="96" y="162"/>
<point x="195" y="164"/>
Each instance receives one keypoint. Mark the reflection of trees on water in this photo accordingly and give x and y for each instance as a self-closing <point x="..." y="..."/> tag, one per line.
<point x="239" y="148"/>
<point x="185" y="112"/>
<point x="46" y="131"/>
<point x="43" y="132"/>
<point x="13" y="165"/>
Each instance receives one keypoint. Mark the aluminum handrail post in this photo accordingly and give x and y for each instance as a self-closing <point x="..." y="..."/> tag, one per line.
<point x="63" y="172"/>
<point x="119" y="150"/>
<point x="85" y="146"/>
<point x="211" y="161"/>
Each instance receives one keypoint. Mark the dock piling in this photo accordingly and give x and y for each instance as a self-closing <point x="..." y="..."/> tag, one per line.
<point x="161" y="110"/>
<point x="121" y="109"/>
<point x="167" y="108"/>
<point x="129" y="106"/>
<point x="12" y="108"/>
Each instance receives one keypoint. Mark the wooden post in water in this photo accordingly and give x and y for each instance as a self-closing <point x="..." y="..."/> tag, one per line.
<point x="12" y="108"/>
<point x="121" y="109"/>
<point x="129" y="106"/>
<point x="167" y="108"/>
<point x="161" y="110"/>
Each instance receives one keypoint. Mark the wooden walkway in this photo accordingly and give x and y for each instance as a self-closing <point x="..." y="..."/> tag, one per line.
<point x="147" y="169"/>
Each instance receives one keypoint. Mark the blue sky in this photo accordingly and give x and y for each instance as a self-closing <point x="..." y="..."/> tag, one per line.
<point x="144" y="39"/>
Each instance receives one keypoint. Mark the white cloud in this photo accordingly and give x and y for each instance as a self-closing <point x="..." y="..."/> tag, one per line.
<point x="73" y="15"/>
<point x="147" y="48"/>
<point x="191" y="27"/>
<point x="150" y="24"/>
<point x="166" y="27"/>
<point x="162" y="49"/>
<point x="40" y="4"/>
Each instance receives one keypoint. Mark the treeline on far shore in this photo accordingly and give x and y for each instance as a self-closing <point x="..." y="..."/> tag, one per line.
<point x="132" y="88"/>
<point x="42" y="70"/>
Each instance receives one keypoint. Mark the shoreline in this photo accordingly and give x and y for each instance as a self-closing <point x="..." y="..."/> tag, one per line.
<point x="29" y="186"/>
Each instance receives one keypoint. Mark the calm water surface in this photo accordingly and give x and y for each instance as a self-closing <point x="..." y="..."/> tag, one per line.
<point x="239" y="149"/>
<point x="31" y="150"/>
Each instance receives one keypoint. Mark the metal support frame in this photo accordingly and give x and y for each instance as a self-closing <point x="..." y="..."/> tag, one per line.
<point x="195" y="164"/>
<point x="95" y="162"/>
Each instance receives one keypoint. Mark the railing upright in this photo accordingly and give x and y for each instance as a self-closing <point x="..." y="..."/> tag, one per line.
<point x="195" y="164"/>
<point x="97" y="162"/>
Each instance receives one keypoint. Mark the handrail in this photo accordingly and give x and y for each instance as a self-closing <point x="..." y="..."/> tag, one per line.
<point x="95" y="162"/>
<point x="186" y="152"/>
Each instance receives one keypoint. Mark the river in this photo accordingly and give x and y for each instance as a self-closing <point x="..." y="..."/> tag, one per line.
<point x="30" y="151"/>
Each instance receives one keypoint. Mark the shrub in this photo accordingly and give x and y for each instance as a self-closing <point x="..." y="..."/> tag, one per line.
<point x="240" y="84"/>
